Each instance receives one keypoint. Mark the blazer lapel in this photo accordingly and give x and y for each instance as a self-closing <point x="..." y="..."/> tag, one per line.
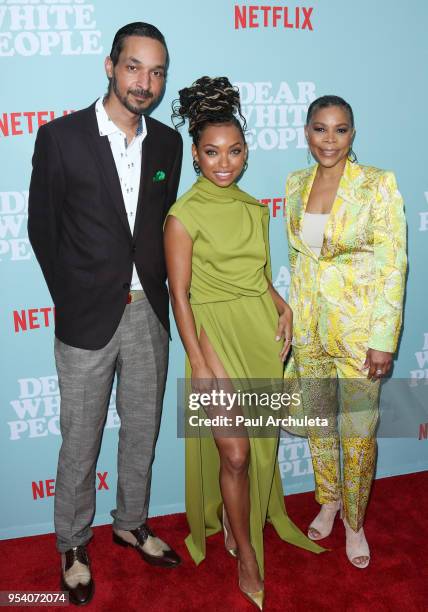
<point x="349" y="186"/>
<point x="347" y="192"/>
<point x="144" y="176"/>
<point x="303" y="196"/>
<point x="150" y="163"/>
<point x="102" y="150"/>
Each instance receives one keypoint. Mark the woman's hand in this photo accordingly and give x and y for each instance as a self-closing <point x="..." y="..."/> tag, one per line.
<point x="378" y="363"/>
<point x="203" y="379"/>
<point x="285" y="330"/>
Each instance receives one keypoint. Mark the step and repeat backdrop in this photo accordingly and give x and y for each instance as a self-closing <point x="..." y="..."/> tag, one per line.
<point x="281" y="56"/>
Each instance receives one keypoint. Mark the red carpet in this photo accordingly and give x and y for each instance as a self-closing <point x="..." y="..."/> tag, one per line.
<point x="396" y="580"/>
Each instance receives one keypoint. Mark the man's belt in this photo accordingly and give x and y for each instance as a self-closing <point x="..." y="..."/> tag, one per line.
<point x="134" y="296"/>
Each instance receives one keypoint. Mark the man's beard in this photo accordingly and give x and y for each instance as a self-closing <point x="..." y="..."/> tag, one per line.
<point x="144" y="93"/>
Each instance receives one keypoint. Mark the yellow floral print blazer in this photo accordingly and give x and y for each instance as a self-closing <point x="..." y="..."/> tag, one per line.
<point x="354" y="289"/>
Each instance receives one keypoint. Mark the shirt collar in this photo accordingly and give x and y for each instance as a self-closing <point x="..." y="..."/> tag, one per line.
<point x="106" y="126"/>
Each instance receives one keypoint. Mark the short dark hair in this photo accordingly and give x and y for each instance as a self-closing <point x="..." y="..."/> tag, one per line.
<point x="325" y="102"/>
<point x="137" y="28"/>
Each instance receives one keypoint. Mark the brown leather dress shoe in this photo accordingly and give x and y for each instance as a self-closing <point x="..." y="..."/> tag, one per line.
<point x="151" y="548"/>
<point x="76" y="576"/>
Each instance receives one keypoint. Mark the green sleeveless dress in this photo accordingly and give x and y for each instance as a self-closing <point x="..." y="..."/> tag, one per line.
<point x="230" y="300"/>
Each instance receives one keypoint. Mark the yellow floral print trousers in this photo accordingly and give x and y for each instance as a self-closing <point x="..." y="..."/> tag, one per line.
<point x="336" y="389"/>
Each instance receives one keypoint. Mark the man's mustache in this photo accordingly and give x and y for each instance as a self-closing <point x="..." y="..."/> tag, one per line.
<point x="142" y="93"/>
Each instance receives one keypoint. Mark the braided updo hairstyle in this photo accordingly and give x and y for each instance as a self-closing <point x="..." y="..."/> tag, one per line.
<point x="208" y="101"/>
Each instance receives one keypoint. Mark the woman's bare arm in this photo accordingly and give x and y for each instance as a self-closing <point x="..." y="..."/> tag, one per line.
<point x="178" y="254"/>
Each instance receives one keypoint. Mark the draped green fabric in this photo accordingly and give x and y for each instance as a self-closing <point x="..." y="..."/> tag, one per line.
<point x="230" y="300"/>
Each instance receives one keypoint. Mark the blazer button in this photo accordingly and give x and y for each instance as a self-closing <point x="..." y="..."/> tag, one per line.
<point x="126" y="285"/>
<point x="133" y="248"/>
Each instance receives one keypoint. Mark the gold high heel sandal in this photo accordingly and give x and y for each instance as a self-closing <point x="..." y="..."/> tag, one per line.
<point x="231" y="551"/>
<point x="257" y="598"/>
<point x="322" y="525"/>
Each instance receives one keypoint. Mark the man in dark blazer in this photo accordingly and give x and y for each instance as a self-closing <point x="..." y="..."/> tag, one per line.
<point x="103" y="180"/>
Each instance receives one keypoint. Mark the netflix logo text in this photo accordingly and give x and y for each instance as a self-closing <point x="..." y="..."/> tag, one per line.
<point x="46" y="488"/>
<point x="28" y="122"/>
<point x="33" y="318"/>
<point x="14" y="243"/>
<point x="37" y="408"/>
<point x="253" y="16"/>
<point x="276" y="206"/>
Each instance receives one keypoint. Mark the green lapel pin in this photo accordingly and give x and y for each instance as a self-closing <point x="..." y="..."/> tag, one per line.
<point x="159" y="176"/>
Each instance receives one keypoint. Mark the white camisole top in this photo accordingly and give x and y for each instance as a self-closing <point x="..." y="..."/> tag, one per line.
<point x="313" y="230"/>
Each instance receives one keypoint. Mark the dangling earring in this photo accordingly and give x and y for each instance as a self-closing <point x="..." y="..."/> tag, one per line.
<point x="196" y="167"/>
<point x="352" y="157"/>
<point x="309" y="156"/>
<point x="244" y="169"/>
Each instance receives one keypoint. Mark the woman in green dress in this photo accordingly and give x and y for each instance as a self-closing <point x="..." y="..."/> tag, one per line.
<point x="233" y="325"/>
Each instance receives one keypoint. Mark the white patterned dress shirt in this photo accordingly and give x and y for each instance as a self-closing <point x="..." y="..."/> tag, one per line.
<point x="127" y="157"/>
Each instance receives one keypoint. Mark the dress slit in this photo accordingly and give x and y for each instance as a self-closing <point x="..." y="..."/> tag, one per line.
<point x="231" y="303"/>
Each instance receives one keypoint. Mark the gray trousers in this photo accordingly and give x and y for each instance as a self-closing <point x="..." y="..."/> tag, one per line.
<point x="138" y="354"/>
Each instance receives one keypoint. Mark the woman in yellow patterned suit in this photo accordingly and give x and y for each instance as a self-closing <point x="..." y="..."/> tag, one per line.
<point x="347" y="250"/>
